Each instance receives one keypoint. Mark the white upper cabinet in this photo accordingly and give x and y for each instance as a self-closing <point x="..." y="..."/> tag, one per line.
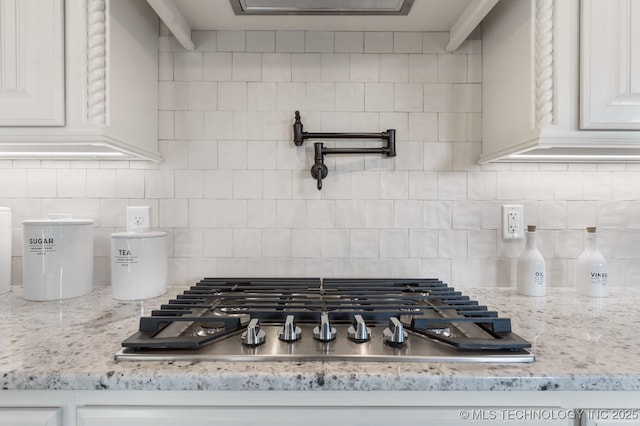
<point x="78" y="79"/>
<point x="31" y="63"/>
<point x="610" y="64"/>
<point x="561" y="81"/>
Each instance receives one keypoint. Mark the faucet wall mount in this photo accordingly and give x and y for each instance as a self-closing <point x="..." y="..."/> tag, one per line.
<point x="319" y="170"/>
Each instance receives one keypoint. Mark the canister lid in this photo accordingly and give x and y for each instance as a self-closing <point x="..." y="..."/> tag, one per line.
<point x="58" y="219"/>
<point x="151" y="234"/>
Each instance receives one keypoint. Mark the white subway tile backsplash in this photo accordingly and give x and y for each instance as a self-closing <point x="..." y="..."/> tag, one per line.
<point x="203" y="95"/>
<point x="276" y="243"/>
<point x="261" y="41"/>
<point x="378" y="96"/>
<point x="236" y="196"/>
<point x="408" y="214"/>
<point x="349" y="96"/>
<point x="173" y="213"/>
<point x="218" y="125"/>
<point x="217" y="184"/>
<point x="217" y="66"/>
<point x="205" y="41"/>
<point x="452" y="126"/>
<point x="423" y="68"/>
<point x="334" y="67"/>
<point x="203" y="213"/>
<point x="231" y="41"/>
<point x="482" y="244"/>
<point x="246" y="67"/>
<point x="247" y="184"/>
<point x="232" y="154"/>
<point x="232" y="213"/>
<point x="305" y="67"/>
<point x="407" y="42"/>
<point x="321" y="96"/>
<point x="318" y="41"/>
<point x="276" y="67"/>
<point x="289" y="41"/>
<point x="438" y="97"/>
<point x="101" y="183"/>
<point x="407" y="97"/>
<point x="173" y="95"/>
<point x="378" y="214"/>
<point x="364" y="67"/>
<point x="378" y="42"/>
<point x="452" y="68"/>
<point x="365" y="243"/>
<point x="217" y="242"/>
<point x="187" y="66"/>
<point x="349" y="42"/>
<point x="335" y="243"/>
<point x="247" y="242"/>
<point x="553" y="215"/>
<point x="581" y="214"/>
<point x="232" y="96"/>
<point x="41" y="183"/>
<point x="394" y="68"/>
<point x="187" y="242"/>
<point x="189" y="125"/>
<point x="306" y="243"/>
<point x="394" y="185"/>
<point x="394" y="243"/>
<point x="73" y="183"/>
<point x="467" y="215"/>
<point x="612" y="214"/>
<point x="247" y="125"/>
<point x="129" y="184"/>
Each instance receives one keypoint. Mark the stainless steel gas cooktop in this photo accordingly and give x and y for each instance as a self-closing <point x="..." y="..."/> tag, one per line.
<point x="296" y="319"/>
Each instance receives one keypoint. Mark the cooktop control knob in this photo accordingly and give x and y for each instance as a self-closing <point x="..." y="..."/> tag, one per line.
<point x="359" y="332"/>
<point x="324" y="332"/>
<point x="253" y="336"/>
<point x="394" y="335"/>
<point x="289" y="332"/>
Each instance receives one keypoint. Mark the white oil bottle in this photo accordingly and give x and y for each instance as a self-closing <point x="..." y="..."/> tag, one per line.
<point x="591" y="270"/>
<point x="531" y="274"/>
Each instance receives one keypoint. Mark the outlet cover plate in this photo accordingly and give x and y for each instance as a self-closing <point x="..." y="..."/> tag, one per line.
<point x="138" y="219"/>
<point x="512" y="221"/>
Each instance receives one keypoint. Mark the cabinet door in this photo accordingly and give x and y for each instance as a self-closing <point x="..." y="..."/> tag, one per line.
<point x="30" y="416"/>
<point x="319" y="416"/>
<point x="610" y="64"/>
<point x="31" y="63"/>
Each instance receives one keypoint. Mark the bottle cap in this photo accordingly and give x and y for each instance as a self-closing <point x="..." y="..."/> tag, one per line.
<point x="591" y="229"/>
<point x="531" y="228"/>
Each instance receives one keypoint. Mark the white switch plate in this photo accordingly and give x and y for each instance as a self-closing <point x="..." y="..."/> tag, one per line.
<point x="512" y="222"/>
<point x="138" y="219"/>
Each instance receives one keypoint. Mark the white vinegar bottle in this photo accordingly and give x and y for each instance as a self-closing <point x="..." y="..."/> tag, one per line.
<point x="531" y="274"/>
<point x="591" y="270"/>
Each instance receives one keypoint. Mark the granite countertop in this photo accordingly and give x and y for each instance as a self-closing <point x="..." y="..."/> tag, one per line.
<point x="579" y="344"/>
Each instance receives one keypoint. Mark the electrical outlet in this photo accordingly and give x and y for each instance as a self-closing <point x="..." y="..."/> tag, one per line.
<point x="139" y="219"/>
<point x="512" y="222"/>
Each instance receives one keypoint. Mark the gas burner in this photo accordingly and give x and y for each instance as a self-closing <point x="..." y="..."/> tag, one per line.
<point x="298" y="319"/>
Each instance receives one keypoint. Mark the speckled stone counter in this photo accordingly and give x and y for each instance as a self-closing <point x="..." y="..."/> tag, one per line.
<point x="579" y="344"/>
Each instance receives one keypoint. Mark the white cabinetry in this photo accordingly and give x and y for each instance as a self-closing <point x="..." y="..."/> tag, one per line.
<point x="610" y="64"/>
<point x="26" y="416"/>
<point x="312" y="416"/>
<point x="104" y="104"/>
<point x="554" y="90"/>
<point x="31" y="63"/>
